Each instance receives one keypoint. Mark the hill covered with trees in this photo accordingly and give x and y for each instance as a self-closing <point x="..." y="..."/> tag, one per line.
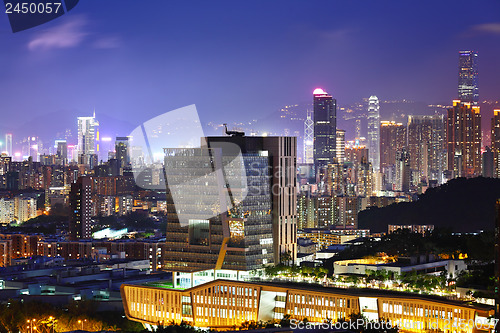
<point x="460" y="205"/>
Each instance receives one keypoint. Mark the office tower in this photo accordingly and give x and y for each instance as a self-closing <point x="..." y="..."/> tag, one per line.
<point x="392" y="140"/>
<point x="62" y="151"/>
<point x="340" y="150"/>
<point x="325" y="126"/>
<point x="426" y="146"/>
<point x="488" y="166"/>
<point x="463" y="133"/>
<point x="309" y="139"/>
<point x="8" y="144"/>
<point x="282" y="155"/>
<point x="373" y="139"/>
<point x="88" y="136"/>
<point x="81" y="208"/>
<point x="468" y="90"/>
<point x="403" y="171"/>
<point x="495" y="142"/>
<point x="34" y="146"/>
<point x="256" y="230"/>
<point x="121" y="151"/>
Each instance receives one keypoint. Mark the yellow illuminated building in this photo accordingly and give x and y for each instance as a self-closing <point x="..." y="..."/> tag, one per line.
<point x="227" y="304"/>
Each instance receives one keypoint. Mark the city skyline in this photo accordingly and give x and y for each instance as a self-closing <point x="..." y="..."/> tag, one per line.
<point x="129" y="74"/>
<point x="250" y="165"/>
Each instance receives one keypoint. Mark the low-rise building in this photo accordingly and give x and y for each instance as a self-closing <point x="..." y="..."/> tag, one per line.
<point x="222" y="304"/>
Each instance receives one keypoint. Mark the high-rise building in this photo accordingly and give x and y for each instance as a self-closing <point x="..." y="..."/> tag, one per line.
<point x="88" y="136"/>
<point x="325" y="126"/>
<point x="62" y="151"/>
<point x="464" y="139"/>
<point x="488" y="166"/>
<point x="364" y="186"/>
<point x="257" y="229"/>
<point x="282" y="153"/>
<point x="403" y="171"/>
<point x="81" y="208"/>
<point x="392" y="140"/>
<point x="468" y="90"/>
<point x="8" y="144"/>
<point x="426" y="146"/>
<point x="495" y="142"/>
<point x="121" y="151"/>
<point x="309" y="139"/>
<point x="358" y="129"/>
<point x="374" y="132"/>
<point x="355" y="154"/>
<point x="340" y="149"/>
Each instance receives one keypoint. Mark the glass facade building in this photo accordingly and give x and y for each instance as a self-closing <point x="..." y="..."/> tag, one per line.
<point x="325" y="128"/>
<point x="374" y="132"/>
<point x="468" y="90"/>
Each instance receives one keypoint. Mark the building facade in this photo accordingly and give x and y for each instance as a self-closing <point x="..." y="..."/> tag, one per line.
<point x="309" y="139"/>
<point x="81" y="208"/>
<point x="426" y="137"/>
<point x="325" y="128"/>
<point x="495" y="142"/>
<point x="468" y="89"/>
<point x="464" y="139"/>
<point x="228" y="304"/>
<point x="373" y="138"/>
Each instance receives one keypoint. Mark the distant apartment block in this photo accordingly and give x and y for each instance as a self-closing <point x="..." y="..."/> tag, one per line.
<point x="416" y="228"/>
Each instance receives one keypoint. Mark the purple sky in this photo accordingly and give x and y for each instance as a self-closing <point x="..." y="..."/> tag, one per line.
<point x="134" y="60"/>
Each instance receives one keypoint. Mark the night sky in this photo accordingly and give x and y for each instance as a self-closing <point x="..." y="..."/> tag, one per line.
<point x="238" y="60"/>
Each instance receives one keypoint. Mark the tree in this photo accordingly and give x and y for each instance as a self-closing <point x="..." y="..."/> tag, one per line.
<point x="286" y="258"/>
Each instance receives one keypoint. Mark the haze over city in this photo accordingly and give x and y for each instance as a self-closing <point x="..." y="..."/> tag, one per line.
<point x="133" y="62"/>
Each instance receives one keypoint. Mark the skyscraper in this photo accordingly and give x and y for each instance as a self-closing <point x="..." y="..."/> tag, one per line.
<point x="403" y="172"/>
<point x="81" y="208"/>
<point x="121" y="151"/>
<point x="325" y="126"/>
<point x="392" y="140"/>
<point x="426" y="146"/>
<point x="340" y="149"/>
<point x="8" y="144"/>
<point x="257" y="230"/>
<point x="464" y="139"/>
<point x="88" y="136"/>
<point x="309" y="139"/>
<point x="374" y="132"/>
<point x="495" y="142"/>
<point x="62" y="151"/>
<point x="488" y="166"/>
<point x="468" y="90"/>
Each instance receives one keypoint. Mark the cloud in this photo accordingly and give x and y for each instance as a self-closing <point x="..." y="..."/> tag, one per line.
<point x="487" y="28"/>
<point x="107" y="43"/>
<point x="66" y="35"/>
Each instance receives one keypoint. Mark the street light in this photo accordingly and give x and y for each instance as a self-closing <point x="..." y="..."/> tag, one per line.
<point x="81" y="322"/>
<point x="31" y="324"/>
<point x="51" y="321"/>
